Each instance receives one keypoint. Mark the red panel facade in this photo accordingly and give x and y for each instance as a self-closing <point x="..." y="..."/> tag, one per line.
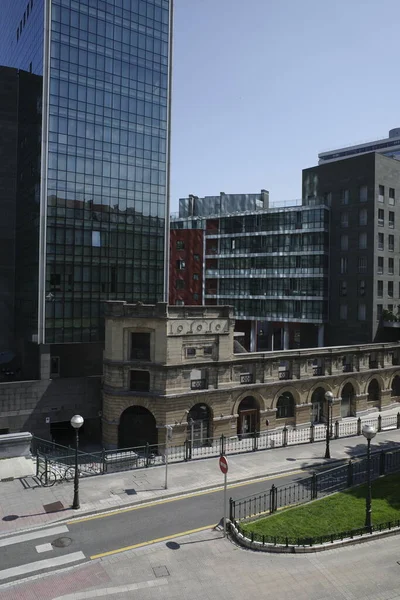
<point x="186" y="266"/>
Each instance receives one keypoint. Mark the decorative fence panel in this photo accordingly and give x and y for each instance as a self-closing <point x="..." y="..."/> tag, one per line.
<point x="319" y="433"/>
<point x="347" y="429"/>
<point x="389" y="421"/>
<point x="298" y="436"/>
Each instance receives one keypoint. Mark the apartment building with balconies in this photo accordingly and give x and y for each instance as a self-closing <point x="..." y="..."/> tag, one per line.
<point x="271" y="264"/>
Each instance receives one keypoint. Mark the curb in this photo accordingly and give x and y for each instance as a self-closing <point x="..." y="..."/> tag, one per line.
<point x="243" y="542"/>
<point x="116" y="508"/>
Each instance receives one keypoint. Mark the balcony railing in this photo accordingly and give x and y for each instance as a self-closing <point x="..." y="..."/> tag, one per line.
<point x="284" y="375"/>
<point x="198" y="384"/>
<point x="246" y="378"/>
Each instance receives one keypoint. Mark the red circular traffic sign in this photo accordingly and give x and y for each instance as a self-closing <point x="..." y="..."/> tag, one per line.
<point x="223" y="464"/>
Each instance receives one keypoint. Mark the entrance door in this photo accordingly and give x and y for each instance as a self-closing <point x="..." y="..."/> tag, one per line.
<point x="347" y="408"/>
<point x="200" y="433"/>
<point x="137" y="427"/>
<point x="248" y="417"/>
<point x="248" y="422"/>
<point x="199" y="418"/>
<point x="318" y="401"/>
<point x="316" y="412"/>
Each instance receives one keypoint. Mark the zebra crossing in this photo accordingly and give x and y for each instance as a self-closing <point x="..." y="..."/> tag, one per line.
<point x="37" y="551"/>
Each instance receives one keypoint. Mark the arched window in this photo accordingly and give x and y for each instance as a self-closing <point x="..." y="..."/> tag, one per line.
<point x="395" y="386"/>
<point x="137" y="427"/>
<point x="285" y="406"/>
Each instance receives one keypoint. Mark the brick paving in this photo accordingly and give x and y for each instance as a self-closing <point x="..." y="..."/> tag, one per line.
<point x="206" y="567"/>
<point x="48" y="587"/>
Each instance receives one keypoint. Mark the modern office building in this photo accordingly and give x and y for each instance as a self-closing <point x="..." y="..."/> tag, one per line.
<point x="90" y="168"/>
<point x="389" y="146"/>
<point x="323" y="273"/>
<point x="8" y="182"/>
<point x="363" y="194"/>
<point x="271" y="264"/>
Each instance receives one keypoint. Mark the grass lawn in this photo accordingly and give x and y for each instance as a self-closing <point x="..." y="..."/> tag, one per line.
<point x="340" y="512"/>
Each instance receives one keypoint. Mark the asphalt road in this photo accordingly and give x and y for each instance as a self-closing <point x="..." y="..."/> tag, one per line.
<point x="138" y="525"/>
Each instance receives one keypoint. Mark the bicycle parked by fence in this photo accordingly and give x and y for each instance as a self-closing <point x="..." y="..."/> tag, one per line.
<point x="56" y="472"/>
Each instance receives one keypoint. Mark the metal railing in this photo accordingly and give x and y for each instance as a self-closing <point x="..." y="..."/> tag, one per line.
<point x="124" y="459"/>
<point x="287" y="541"/>
<point x="318" y="485"/>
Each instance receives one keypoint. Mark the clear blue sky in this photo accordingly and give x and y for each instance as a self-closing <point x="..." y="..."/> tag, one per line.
<point x="262" y="86"/>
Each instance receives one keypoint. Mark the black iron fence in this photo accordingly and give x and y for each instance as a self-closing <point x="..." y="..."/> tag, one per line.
<point x="354" y="472"/>
<point x="106" y="461"/>
<point x="287" y="541"/>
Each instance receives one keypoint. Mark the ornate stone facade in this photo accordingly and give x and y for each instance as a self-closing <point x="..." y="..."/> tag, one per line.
<point x="172" y="365"/>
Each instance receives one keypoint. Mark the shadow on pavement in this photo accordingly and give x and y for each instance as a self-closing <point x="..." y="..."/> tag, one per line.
<point x="15" y="517"/>
<point x="176" y="546"/>
<point x="361" y="448"/>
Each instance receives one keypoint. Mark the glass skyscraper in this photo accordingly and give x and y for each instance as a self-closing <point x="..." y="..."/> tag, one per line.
<point x="92" y="200"/>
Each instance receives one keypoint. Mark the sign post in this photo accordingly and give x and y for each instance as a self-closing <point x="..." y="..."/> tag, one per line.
<point x="223" y="465"/>
<point x="168" y="437"/>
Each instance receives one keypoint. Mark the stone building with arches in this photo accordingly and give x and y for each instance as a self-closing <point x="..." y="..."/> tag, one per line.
<point x="183" y="366"/>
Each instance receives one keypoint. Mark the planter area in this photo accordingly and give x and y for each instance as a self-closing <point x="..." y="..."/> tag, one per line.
<point x="322" y="524"/>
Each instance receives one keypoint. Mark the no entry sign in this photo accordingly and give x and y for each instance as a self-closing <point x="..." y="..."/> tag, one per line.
<point x="223" y="464"/>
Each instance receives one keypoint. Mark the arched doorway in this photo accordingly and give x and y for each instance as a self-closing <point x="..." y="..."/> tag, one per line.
<point x="395" y="393"/>
<point x="318" y="404"/>
<point x="199" y="419"/>
<point x="347" y="404"/>
<point x="137" y="427"/>
<point x="248" y="420"/>
<point x="285" y="406"/>
<point x="374" y="393"/>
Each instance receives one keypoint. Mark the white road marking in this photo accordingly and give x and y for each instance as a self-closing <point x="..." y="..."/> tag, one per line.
<point x="41" y="564"/>
<point x="34" y="535"/>
<point x="113" y="590"/>
<point x="44" y="548"/>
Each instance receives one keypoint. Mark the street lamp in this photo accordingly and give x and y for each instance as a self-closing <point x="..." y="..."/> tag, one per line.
<point x="329" y="401"/>
<point x="168" y="438"/>
<point x="76" y="422"/>
<point x="368" y="432"/>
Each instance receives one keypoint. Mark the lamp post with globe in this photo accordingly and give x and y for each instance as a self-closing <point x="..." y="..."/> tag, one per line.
<point x="76" y="422"/>
<point x="329" y="401"/>
<point x="369" y="432"/>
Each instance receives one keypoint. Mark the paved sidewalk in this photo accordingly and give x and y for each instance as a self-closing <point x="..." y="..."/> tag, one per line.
<point x="204" y="566"/>
<point x="23" y="501"/>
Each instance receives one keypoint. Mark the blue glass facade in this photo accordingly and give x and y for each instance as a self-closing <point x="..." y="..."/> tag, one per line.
<point x="22" y="34"/>
<point x="104" y="147"/>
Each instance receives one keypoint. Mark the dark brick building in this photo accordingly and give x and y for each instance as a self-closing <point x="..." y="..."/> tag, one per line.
<point x="186" y="266"/>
